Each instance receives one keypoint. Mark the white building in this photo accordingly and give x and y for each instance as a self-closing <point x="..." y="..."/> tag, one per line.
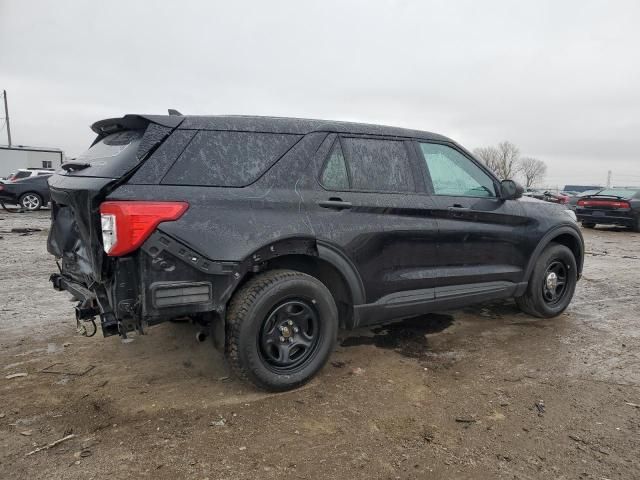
<point x="18" y="156"/>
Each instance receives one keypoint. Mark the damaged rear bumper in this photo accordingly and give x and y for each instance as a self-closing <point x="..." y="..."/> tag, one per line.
<point x="161" y="281"/>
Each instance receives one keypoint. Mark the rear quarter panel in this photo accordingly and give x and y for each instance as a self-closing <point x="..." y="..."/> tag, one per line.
<point x="230" y="223"/>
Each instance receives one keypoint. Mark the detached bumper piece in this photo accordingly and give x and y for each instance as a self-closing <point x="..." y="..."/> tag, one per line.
<point x="80" y="292"/>
<point x="88" y="305"/>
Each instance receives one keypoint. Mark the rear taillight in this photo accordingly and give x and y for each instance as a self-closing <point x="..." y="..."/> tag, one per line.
<point x="127" y="224"/>
<point x="604" y="203"/>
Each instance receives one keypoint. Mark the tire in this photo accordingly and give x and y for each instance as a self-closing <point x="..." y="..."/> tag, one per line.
<point x="281" y="328"/>
<point x="30" y="201"/>
<point x="539" y="299"/>
<point x="636" y="224"/>
<point x="588" y="225"/>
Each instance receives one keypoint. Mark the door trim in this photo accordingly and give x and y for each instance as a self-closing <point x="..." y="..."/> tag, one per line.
<point x="398" y="305"/>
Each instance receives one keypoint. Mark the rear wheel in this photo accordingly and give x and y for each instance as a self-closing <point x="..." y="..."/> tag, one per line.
<point x="552" y="283"/>
<point x="588" y="225"/>
<point x="31" y="201"/>
<point x="636" y="224"/>
<point x="281" y="329"/>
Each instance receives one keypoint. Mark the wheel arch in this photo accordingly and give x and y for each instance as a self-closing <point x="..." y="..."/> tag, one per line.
<point x="564" y="235"/>
<point x="321" y="260"/>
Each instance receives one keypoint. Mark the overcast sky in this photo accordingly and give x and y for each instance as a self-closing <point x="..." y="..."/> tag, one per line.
<point x="561" y="79"/>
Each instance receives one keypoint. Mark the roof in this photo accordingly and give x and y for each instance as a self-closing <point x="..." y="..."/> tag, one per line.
<point x="30" y="149"/>
<point x="299" y="126"/>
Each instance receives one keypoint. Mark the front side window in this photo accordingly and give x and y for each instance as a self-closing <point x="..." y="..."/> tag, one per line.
<point x="334" y="176"/>
<point x="379" y="165"/>
<point x="454" y="174"/>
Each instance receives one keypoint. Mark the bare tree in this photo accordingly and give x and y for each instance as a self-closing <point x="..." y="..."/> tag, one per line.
<point x="489" y="156"/>
<point x="503" y="160"/>
<point x="533" y="171"/>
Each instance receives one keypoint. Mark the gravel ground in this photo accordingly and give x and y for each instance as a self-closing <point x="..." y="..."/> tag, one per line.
<point x="485" y="392"/>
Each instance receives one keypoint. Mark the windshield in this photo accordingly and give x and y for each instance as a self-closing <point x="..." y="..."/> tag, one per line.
<point x="616" y="192"/>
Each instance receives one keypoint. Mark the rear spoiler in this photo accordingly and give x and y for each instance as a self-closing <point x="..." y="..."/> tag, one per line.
<point x="133" y="122"/>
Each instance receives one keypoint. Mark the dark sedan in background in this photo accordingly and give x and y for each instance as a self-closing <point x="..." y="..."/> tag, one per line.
<point x="30" y="193"/>
<point x="611" y="206"/>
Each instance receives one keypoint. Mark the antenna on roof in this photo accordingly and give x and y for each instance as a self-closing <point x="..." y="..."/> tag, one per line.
<point x="175" y="112"/>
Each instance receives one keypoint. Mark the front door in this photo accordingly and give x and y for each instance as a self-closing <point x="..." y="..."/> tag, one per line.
<point x="480" y="234"/>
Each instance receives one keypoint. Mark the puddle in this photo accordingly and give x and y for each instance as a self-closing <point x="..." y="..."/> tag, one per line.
<point x="493" y="310"/>
<point x="407" y="337"/>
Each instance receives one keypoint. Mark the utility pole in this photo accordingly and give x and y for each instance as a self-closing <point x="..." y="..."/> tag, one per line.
<point x="609" y="179"/>
<point x="6" y="116"/>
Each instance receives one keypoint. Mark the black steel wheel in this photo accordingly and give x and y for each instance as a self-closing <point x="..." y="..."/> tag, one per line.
<point x="281" y="327"/>
<point x="289" y="335"/>
<point x="552" y="283"/>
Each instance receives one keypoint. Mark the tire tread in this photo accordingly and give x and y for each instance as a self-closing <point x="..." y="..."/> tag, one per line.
<point x="238" y="310"/>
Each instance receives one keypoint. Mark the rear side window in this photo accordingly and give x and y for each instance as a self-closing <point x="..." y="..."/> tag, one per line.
<point x="228" y="159"/>
<point x="21" y="174"/>
<point x="379" y="165"/>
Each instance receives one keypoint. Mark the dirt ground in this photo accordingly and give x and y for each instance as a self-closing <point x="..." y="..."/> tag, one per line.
<point x="486" y="392"/>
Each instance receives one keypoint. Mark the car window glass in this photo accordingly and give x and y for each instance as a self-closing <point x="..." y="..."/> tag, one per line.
<point x="228" y="159"/>
<point x="334" y="176"/>
<point x="21" y="175"/>
<point x="379" y="165"/>
<point x="454" y="174"/>
<point x="616" y="192"/>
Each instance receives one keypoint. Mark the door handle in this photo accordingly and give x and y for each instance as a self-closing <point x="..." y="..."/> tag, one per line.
<point x="335" y="203"/>
<point x="458" y="208"/>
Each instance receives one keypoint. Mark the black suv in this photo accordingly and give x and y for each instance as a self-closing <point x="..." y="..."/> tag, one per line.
<point x="275" y="232"/>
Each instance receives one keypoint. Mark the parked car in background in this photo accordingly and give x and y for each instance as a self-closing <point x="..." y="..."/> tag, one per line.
<point x="31" y="193"/>
<point x="23" y="173"/>
<point x="560" y="198"/>
<point x="547" y="196"/>
<point x="573" y="199"/>
<point x="611" y="206"/>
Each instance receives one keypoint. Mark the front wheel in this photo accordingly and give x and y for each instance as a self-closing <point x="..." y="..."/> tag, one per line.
<point x="552" y="283"/>
<point x="281" y="327"/>
<point x="31" y="201"/>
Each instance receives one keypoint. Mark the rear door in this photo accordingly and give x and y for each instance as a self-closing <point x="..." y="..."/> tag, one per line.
<point x="371" y="204"/>
<point x="479" y="233"/>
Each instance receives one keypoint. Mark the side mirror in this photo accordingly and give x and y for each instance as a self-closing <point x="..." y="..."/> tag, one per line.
<point x="510" y="190"/>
